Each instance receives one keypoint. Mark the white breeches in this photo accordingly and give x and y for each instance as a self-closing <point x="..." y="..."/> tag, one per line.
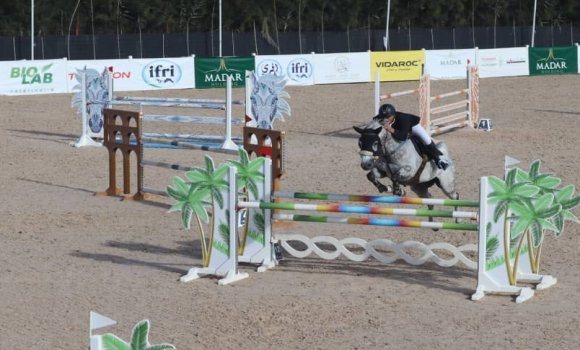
<point x="418" y="131"/>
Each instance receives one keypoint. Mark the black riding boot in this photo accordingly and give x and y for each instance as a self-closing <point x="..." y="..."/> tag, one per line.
<point x="433" y="153"/>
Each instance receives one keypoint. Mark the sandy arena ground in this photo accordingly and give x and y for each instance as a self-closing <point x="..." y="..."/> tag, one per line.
<point x="64" y="252"/>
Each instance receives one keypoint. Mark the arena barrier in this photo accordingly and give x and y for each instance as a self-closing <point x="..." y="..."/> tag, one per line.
<point x="468" y="116"/>
<point x="106" y="98"/>
<point x="123" y="132"/>
<point x="259" y="247"/>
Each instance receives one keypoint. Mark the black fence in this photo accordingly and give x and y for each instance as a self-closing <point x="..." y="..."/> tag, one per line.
<point x="242" y="44"/>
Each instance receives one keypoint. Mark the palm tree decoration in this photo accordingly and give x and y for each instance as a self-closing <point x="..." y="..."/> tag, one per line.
<point x="191" y="197"/>
<point x="563" y="197"/>
<point x="505" y="194"/>
<point x="139" y="340"/>
<point x="249" y="175"/>
<point x="533" y="217"/>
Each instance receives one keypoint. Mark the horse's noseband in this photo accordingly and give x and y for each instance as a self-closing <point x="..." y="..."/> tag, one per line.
<point x="370" y="145"/>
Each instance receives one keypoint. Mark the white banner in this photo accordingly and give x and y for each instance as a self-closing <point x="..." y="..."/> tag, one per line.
<point x="141" y="74"/>
<point x="342" y="68"/>
<point x="503" y="62"/>
<point x="448" y="64"/>
<point x="33" y="77"/>
<point x="298" y="69"/>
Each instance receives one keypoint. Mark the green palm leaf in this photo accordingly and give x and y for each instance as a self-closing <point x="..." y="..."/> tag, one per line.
<point x="160" y="347"/>
<point x="569" y="216"/>
<point x="259" y="221"/>
<point x="186" y="213"/>
<point x="140" y="335"/>
<point x="491" y="247"/>
<point x="535" y="168"/>
<point x="497" y="184"/>
<point x="500" y="209"/>
<point x="208" y="164"/>
<point x="112" y="342"/>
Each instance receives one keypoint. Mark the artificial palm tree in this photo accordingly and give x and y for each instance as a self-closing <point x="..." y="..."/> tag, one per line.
<point x="139" y="340"/>
<point x="564" y="197"/>
<point x="249" y="175"/>
<point x="505" y="194"/>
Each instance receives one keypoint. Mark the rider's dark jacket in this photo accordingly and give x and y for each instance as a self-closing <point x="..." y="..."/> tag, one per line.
<point x="403" y="124"/>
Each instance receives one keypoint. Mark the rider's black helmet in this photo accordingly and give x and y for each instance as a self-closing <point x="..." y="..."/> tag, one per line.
<point x="386" y="110"/>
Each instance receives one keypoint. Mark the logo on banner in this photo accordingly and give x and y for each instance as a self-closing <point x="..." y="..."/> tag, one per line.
<point x="32" y="75"/>
<point x="161" y="73"/>
<point x="551" y="62"/>
<point x="270" y="67"/>
<point x="397" y="64"/>
<point x="516" y="60"/>
<point x="341" y="64"/>
<point x="451" y="60"/>
<point x="299" y="70"/>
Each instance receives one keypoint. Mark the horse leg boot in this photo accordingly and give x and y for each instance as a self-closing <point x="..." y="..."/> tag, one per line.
<point x="433" y="153"/>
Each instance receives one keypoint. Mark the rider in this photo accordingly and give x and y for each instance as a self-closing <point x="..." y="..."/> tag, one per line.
<point x="402" y="125"/>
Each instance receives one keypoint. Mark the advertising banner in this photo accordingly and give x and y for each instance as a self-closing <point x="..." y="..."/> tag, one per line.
<point x="212" y="72"/>
<point x="341" y="68"/>
<point x="297" y="69"/>
<point x="397" y="65"/>
<point x="503" y="62"/>
<point x="33" y="77"/>
<point x="448" y="64"/>
<point x="140" y="74"/>
<point x="553" y="60"/>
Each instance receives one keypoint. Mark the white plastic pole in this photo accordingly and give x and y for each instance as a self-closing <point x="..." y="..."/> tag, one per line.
<point x="32" y="30"/>
<point x="377" y="91"/>
<point x="220" y="15"/>
<point x="228" y="143"/>
<point x="534" y="22"/>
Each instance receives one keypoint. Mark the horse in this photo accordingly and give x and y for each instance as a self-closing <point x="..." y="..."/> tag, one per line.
<point x="383" y="156"/>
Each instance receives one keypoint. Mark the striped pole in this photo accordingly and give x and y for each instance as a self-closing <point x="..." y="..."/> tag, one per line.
<point x="359" y="210"/>
<point x="375" y="199"/>
<point x="375" y="222"/>
<point x="189" y="119"/>
<point x="187" y="145"/>
<point x="215" y="138"/>
<point x="163" y="104"/>
<point x="173" y="99"/>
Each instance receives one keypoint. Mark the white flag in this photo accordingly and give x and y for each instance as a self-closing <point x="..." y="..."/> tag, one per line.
<point x="99" y="321"/>
<point x="509" y="162"/>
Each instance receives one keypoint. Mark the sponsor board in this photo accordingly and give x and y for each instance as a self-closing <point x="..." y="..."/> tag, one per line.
<point x="341" y="68"/>
<point x="503" y="62"/>
<point x="553" y="60"/>
<point x="297" y="69"/>
<point x="140" y="74"/>
<point x="32" y="77"/>
<point x="212" y="72"/>
<point x="448" y="64"/>
<point x="397" y="65"/>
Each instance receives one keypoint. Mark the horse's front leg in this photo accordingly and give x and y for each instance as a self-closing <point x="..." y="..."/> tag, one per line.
<point x="397" y="189"/>
<point x="373" y="177"/>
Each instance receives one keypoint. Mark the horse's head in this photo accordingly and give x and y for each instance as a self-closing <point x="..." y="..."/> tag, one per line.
<point x="370" y="144"/>
<point x="267" y="100"/>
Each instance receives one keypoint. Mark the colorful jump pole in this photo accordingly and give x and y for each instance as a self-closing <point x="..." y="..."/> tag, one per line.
<point x="359" y="210"/>
<point x="375" y="222"/>
<point x="375" y="199"/>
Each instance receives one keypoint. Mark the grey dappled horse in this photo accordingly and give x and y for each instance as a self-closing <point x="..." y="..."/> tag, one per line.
<point x="383" y="156"/>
